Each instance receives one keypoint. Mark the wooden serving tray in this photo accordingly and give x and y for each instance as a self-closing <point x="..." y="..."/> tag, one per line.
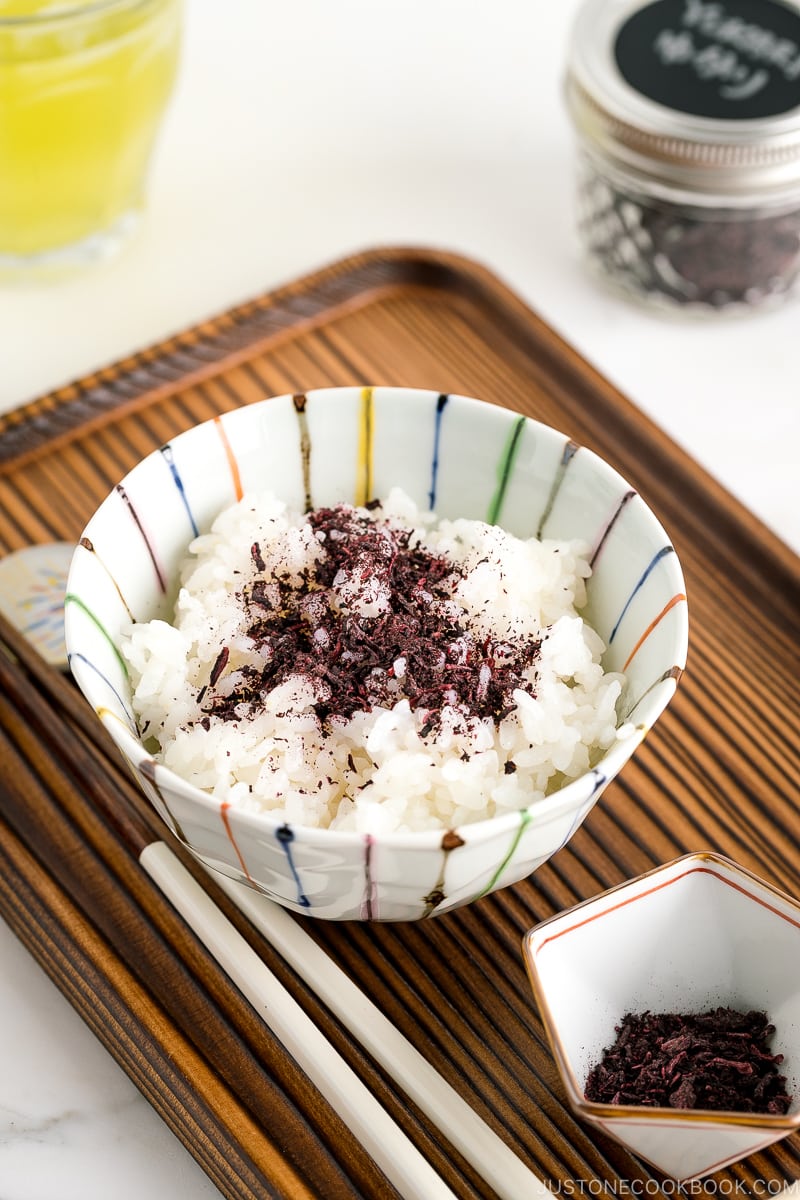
<point x="719" y="771"/>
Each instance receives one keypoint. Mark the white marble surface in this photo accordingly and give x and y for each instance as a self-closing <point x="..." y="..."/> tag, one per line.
<point x="299" y="133"/>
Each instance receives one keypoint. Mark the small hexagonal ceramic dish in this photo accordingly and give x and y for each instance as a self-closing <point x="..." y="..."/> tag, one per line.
<point x="691" y="935"/>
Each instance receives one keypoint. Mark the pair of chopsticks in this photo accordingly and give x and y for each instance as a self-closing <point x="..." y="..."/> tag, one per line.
<point x="47" y="702"/>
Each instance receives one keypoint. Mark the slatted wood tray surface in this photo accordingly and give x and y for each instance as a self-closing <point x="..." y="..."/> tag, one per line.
<point x="719" y="771"/>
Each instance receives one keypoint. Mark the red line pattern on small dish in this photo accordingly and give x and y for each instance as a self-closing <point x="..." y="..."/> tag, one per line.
<point x="668" y="883"/>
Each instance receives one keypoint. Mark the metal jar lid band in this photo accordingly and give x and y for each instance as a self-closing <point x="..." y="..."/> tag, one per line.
<point x="737" y="158"/>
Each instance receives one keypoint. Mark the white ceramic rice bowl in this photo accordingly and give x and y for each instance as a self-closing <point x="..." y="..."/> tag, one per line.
<point x="460" y="456"/>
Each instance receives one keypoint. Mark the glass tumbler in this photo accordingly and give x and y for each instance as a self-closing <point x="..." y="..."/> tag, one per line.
<point x="84" y="85"/>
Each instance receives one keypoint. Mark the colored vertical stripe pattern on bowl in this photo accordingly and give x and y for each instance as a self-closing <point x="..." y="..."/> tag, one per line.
<point x="505" y="470"/>
<point x="672" y="673"/>
<point x="285" y="836"/>
<point x="570" y="450"/>
<point x="88" y="546"/>
<point x="169" y="458"/>
<point x="149" y="537"/>
<point x="223" y="812"/>
<point x="451" y="841"/>
<point x="233" y="465"/>
<point x="369" y="904"/>
<point x="678" y="598"/>
<point x="76" y="656"/>
<point x="146" y="538"/>
<point x="604" y="535"/>
<point x="71" y="598"/>
<point x="639" y="584"/>
<point x="525" y="817"/>
<point x="441" y="404"/>
<point x="366" y="438"/>
<point x="437" y="447"/>
<point x="299" y="401"/>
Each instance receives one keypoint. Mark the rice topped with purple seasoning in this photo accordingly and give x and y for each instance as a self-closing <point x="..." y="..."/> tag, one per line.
<point x="373" y="669"/>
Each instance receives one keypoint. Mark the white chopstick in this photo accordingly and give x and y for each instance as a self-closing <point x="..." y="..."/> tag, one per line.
<point x="468" y="1133"/>
<point x="412" y="1175"/>
<point x="409" y="1171"/>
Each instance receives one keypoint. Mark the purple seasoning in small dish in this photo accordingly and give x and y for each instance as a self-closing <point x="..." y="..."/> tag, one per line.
<point x="720" y="1060"/>
<point x="672" y="1005"/>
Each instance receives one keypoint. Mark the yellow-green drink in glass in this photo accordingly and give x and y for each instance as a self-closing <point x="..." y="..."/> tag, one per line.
<point x="83" y="88"/>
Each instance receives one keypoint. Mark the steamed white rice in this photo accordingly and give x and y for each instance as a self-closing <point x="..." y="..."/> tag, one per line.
<point x="380" y="770"/>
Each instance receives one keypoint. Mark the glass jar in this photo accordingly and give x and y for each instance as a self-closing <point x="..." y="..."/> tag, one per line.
<point x="687" y="115"/>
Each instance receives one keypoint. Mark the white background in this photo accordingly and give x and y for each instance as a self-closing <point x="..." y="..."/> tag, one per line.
<point x="300" y="132"/>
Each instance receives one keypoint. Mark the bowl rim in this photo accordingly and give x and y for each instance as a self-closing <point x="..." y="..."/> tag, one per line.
<point x="604" y="770"/>
<point x="730" y="872"/>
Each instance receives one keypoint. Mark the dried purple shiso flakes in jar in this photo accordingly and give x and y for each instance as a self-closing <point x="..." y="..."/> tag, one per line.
<point x="678" y="255"/>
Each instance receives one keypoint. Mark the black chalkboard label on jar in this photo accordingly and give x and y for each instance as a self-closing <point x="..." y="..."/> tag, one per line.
<point x="731" y="59"/>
